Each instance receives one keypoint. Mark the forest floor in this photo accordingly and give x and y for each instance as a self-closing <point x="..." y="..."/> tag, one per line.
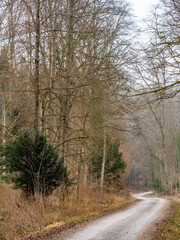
<point x="169" y="228"/>
<point x="26" y="219"/>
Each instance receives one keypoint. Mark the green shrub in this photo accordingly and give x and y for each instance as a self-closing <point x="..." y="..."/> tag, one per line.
<point x="114" y="166"/>
<point x="35" y="165"/>
<point x="157" y="185"/>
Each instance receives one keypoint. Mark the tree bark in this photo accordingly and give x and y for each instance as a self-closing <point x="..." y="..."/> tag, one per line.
<point x="37" y="31"/>
<point x="69" y="59"/>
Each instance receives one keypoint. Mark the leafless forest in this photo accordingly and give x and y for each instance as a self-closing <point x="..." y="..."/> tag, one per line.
<point x="77" y="73"/>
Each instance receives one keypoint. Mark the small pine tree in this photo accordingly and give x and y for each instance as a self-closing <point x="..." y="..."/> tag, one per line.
<point x="35" y="165"/>
<point x="157" y="185"/>
<point x="114" y="166"/>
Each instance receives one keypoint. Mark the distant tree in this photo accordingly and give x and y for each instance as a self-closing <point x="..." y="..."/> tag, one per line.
<point x="35" y="164"/>
<point x="157" y="185"/>
<point x="114" y="166"/>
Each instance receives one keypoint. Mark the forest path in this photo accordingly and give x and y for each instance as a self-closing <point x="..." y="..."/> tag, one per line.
<point x="128" y="224"/>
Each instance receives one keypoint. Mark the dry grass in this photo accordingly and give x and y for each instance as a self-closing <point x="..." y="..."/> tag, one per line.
<point x="170" y="228"/>
<point x="20" y="218"/>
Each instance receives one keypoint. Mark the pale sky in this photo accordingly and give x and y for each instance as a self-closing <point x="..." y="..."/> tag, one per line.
<point x="141" y="7"/>
<point x="141" y="11"/>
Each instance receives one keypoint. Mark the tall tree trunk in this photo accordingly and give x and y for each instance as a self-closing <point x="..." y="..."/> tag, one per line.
<point x="69" y="59"/>
<point x="51" y="33"/>
<point x="11" y="37"/>
<point x="12" y="50"/>
<point x="79" y="165"/>
<point x="30" y="47"/>
<point x="37" y="31"/>
<point x="104" y="159"/>
<point x="4" y="123"/>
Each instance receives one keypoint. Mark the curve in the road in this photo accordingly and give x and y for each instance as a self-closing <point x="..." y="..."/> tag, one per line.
<point x="125" y="225"/>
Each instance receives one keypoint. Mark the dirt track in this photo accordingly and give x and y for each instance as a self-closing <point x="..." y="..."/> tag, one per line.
<point x="129" y="224"/>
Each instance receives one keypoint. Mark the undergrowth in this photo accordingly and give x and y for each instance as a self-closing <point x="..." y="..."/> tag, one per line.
<point x="170" y="228"/>
<point x="20" y="218"/>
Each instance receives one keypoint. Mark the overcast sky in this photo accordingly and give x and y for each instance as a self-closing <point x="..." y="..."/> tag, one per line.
<point x="141" y="11"/>
<point x="142" y="7"/>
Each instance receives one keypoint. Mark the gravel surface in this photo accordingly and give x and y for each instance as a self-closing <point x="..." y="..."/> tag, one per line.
<point x="129" y="224"/>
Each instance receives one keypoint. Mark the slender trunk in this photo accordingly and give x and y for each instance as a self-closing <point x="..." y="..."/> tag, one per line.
<point x="12" y="51"/>
<point x="42" y="110"/>
<point x="164" y="153"/>
<point x="51" y="68"/>
<point x="165" y="168"/>
<point x="69" y="59"/>
<point x="37" y="31"/>
<point x="78" y="178"/>
<point x="4" y="123"/>
<point x="152" y="169"/>
<point x="11" y="37"/>
<point x="85" y="181"/>
<point x="103" y="160"/>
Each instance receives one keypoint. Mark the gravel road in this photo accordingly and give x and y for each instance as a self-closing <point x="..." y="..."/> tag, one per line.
<point x="124" y="225"/>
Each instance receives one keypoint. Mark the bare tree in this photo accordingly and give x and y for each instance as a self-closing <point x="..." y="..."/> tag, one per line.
<point x="37" y="31"/>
